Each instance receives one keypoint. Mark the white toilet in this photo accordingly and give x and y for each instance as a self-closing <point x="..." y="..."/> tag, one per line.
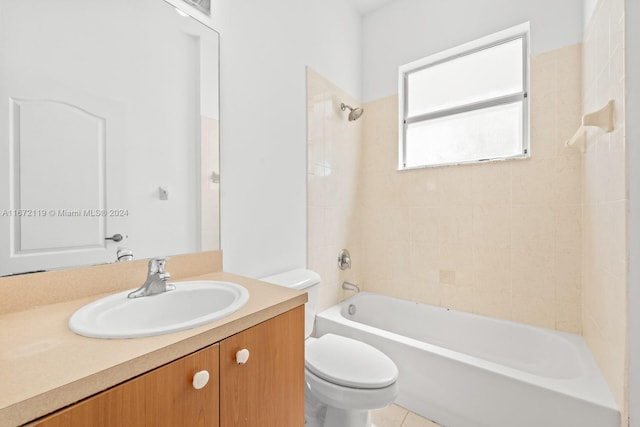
<point x="345" y="378"/>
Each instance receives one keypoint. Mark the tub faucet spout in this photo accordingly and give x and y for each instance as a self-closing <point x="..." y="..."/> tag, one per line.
<point x="348" y="286"/>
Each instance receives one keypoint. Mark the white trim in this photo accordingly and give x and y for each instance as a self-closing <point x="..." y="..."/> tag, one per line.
<point x="518" y="31"/>
<point x="632" y="138"/>
<point x="194" y="12"/>
<point x="467" y="47"/>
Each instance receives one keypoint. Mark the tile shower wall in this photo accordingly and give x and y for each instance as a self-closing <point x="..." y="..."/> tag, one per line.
<point x="501" y="238"/>
<point x="334" y="152"/>
<point x="605" y="199"/>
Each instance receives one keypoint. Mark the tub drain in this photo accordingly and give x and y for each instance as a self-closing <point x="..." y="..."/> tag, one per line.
<point x="352" y="309"/>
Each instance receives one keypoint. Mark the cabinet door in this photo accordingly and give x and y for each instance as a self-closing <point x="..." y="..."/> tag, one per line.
<point x="164" y="397"/>
<point x="268" y="390"/>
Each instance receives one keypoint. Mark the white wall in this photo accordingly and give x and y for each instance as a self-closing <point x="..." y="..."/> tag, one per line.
<point x="406" y="30"/>
<point x="265" y="47"/>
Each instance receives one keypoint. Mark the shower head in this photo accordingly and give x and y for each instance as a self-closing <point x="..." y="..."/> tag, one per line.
<point x="354" y="113"/>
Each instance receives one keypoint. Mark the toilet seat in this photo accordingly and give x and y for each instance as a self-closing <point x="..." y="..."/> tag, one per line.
<point x="349" y="398"/>
<point x="349" y="363"/>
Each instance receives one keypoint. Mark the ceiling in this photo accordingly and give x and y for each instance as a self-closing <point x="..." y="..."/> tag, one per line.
<point x="366" y="6"/>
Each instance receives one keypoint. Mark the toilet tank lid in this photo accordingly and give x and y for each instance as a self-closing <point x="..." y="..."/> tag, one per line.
<point x="296" y="279"/>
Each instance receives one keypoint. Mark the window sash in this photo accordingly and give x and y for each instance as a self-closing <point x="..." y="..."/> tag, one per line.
<point x="467" y="137"/>
<point x="508" y="99"/>
<point x="521" y="96"/>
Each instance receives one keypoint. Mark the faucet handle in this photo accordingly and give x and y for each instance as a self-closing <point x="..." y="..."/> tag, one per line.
<point x="124" y="254"/>
<point x="344" y="260"/>
<point x="157" y="265"/>
<point x="161" y="265"/>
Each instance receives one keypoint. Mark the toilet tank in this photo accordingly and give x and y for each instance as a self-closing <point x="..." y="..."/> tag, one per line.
<point x="304" y="280"/>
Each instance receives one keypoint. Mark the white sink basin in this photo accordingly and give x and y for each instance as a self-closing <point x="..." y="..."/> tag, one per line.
<point x="191" y="304"/>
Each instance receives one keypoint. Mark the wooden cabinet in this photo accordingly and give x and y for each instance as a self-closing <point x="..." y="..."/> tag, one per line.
<point x="267" y="390"/>
<point x="164" y="397"/>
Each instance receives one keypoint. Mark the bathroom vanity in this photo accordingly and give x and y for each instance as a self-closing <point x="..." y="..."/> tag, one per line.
<point x="52" y="377"/>
<point x="258" y="392"/>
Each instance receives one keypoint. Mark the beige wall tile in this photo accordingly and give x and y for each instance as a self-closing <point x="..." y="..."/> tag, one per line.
<point x="491" y="185"/>
<point x="569" y="315"/>
<point x="425" y="292"/>
<point x="334" y="152"/>
<point x="533" y="229"/>
<point x="457" y="297"/>
<point x="535" y="311"/>
<point x="424" y="261"/>
<point x="543" y="74"/>
<point x="484" y="237"/>
<point x="422" y="187"/>
<point x="494" y="303"/>
<point x="567" y="228"/>
<point x="533" y="274"/>
<point x="603" y="287"/>
<point x="492" y="269"/>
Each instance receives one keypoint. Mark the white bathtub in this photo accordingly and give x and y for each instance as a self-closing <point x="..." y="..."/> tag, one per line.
<point x="465" y="370"/>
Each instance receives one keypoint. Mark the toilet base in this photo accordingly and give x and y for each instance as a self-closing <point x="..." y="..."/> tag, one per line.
<point x="333" y="417"/>
<point x="331" y="405"/>
<point x="346" y="418"/>
<point x="318" y="414"/>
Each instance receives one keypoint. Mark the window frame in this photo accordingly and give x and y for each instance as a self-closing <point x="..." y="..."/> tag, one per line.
<point x="511" y="34"/>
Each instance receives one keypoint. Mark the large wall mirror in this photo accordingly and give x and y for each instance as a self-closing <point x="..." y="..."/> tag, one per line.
<point x="108" y="132"/>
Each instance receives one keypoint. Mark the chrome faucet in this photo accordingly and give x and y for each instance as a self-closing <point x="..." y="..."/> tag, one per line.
<point x="348" y="286"/>
<point x="156" y="282"/>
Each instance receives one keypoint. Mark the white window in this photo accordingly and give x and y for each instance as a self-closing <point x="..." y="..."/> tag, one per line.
<point x="467" y="104"/>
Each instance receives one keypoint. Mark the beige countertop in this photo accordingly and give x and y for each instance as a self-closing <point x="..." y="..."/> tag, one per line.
<point x="44" y="366"/>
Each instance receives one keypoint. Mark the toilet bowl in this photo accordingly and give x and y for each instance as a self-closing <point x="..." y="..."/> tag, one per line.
<point x="350" y="378"/>
<point x="345" y="378"/>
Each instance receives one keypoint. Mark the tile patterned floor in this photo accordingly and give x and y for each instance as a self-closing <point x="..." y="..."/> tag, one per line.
<point x="397" y="416"/>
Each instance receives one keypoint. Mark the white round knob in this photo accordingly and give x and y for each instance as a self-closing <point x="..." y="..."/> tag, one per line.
<point x="200" y="379"/>
<point x="242" y="356"/>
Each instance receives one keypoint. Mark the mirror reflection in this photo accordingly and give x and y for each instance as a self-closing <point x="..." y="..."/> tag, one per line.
<point x="108" y="132"/>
